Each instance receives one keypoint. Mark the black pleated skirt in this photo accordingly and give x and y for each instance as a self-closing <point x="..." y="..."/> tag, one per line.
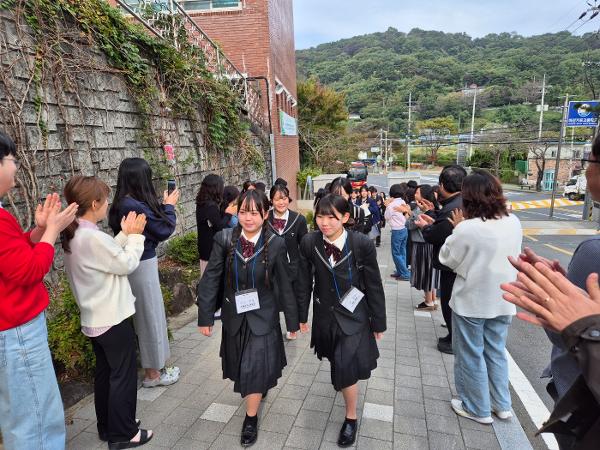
<point x="423" y="276"/>
<point x="253" y="363"/>
<point x="352" y="358"/>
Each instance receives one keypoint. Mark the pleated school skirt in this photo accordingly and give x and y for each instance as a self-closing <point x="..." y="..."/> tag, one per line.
<point x="253" y="363"/>
<point x="423" y="275"/>
<point x="352" y="358"/>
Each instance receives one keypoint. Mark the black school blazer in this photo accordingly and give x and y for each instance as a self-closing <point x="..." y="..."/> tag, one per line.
<point x="314" y="263"/>
<point x="295" y="229"/>
<point x="211" y="286"/>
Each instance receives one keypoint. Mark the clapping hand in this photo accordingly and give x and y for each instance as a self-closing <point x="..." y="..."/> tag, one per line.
<point x="457" y="216"/>
<point x="56" y="219"/>
<point x="553" y="300"/>
<point x="425" y="205"/>
<point x="172" y="198"/>
<point x="133" y="223"/>
<point x="42" y="210"/>
<point x="532" y="258"/>
<point x="424" y="220"/>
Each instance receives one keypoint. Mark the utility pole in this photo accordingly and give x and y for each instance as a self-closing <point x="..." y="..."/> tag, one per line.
<point x="381" y="152"/>
<point x="408" y="133"/>
<point x="563" y="126"/>
<point x="542" y="109"/>
<point x="472" y="124"/>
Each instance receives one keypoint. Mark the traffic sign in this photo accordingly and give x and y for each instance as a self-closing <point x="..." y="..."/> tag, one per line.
<point x="583" y="114"/>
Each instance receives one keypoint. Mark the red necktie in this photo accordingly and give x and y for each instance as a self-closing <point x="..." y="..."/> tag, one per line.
<point x="332" y="250"/>
<point x="279" y="224"/>
<point x="247" y="247"/>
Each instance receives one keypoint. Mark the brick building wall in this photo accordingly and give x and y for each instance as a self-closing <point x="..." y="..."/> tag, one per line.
<point x="566" y="169"/>
<point x="259" y="40"/>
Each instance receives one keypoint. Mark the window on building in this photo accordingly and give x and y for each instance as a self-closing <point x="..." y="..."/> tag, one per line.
<point x="207" y="5"/>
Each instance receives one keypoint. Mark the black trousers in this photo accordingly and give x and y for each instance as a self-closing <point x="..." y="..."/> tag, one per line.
<point x="115" y="382"/>
<point x="446" y="285"/>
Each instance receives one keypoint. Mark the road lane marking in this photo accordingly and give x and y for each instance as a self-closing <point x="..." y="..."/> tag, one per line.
<point x="532" y="402"/>
<point x="560" y="231"/>
<point x="531" y="237"/>
<point x="558" y="249"/>
<point x="533" y="204"/>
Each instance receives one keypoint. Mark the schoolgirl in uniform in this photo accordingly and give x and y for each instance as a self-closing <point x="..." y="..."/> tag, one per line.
<point x="247" y="266"/>
<point x="349" y="302"/>
<point x="288" y="224"/>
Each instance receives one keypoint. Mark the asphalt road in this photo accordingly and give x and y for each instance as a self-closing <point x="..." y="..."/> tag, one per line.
<point x="527" y="344"/>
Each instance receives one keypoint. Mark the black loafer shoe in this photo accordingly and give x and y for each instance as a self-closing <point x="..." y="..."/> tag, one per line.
<point x="347" y="434"/>
<point x="446" y="338"/>
<point x="249" y="434"/>
<point x="445" y="347"/>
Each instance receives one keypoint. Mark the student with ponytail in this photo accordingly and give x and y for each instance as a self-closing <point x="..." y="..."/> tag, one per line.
<point x="288" y="224"/>
<point x="248" y="270"/>
<point x="349" y="302"/>
<point x="97" y="266"/>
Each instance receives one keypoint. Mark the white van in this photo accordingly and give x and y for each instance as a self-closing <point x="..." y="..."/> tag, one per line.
<point x="575" y="188"/>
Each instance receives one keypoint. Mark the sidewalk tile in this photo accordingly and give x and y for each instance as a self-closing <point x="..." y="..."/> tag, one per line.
<point x="318" y="403"/>
<point x="165" y="435"/>
<point x="286" y="406"/>
<point x="410" y="409"/>
<point x="376" y="429"/>
<point x="150" y="394"/>
<point x="190" y="444"/>
<point x="439" y="407"/>
<point x="204" y="430"/>
<point x="382" y="384"/>
<point x="294" y="392"/>
<point x="376" y="411"/>
<point x="380" y="397"/>
<point x="278" y="423"/>
<point x="409" y="442"/>
<point x="436" y="392"/>
<point x="407" y="393"/>
<point x="365" y="443"/>
<point x="315" y="420"/>
<point x="304" y="439"/>
<point x="183" y="417"/>
<point x="410" y="425"/>
<point x="322" y="389"/>
<point x="86" y="440"/>
<point x="440" y="441"/>
<point x="218" y="412"/>
<point x="479" y="440"/>
<point x="442" y="424"/>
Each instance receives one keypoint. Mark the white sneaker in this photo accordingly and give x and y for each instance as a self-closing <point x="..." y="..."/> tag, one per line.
<point x="291" y="337"/>
<point x="504" y="415"/>
<point x="457" y="406"/>
<point x="168" y="376"/>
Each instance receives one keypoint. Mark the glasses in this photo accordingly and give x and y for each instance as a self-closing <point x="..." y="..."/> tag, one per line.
<point x="586" y="162"/>
<point x="16" y="161"/>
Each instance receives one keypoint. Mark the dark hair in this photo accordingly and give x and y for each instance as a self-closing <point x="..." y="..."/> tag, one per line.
<point x="134" y="180"/>
<point x="257" y="199"/>
<point x="230" y="193"/>
<point x="452" y="177"/>
<point x="428" y="193"/>
<point x="83" y="191"/>
<point x="410" y="193"/>
<point x="332" y="205"/>
<point x="372" y="189"/>
<point x="282" y="189"/>
<point x="412" y="184"/>
<point x="339" y="184"/>
<point x="211" y="189"/>
<point x="7" y="146"/>
<point x="364" y="187"/>
<point x="281" y="181"/>
<point x="482" y="196"/>
<point x="259" y="185"/>
<point x="247" y="185"/>
<point x="398" y="191"/>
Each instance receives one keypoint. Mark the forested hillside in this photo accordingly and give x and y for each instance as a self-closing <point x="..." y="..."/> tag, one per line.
<point x="377" y="72"/>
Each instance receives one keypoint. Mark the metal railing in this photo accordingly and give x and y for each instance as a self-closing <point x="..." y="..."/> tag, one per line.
<point x="167" y="19"/>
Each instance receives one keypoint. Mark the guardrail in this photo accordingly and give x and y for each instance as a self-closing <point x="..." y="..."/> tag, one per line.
<point x="167" y="20"/>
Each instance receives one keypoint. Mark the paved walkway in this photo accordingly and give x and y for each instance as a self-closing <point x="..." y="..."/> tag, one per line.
<point x="405" y="404"/>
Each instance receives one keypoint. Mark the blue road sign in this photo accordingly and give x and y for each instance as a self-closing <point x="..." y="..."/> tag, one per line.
<point x="581" y="114"/>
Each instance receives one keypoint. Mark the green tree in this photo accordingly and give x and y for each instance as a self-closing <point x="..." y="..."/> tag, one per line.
<point x="434" y="133"/>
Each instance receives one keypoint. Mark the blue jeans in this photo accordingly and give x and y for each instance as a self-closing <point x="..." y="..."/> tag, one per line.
<point x="399" y="238"/>
<point x="31" y="410"/>
<point x="480" y="363"/>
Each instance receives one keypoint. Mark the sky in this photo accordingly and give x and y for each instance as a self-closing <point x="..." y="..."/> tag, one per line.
<point x="320" y="21"/>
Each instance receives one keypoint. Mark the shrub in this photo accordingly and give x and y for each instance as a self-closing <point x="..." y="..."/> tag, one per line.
<point x="310" y="220"/>
<point x="70" y="348"/>
<point x="184" y="249"/>
<point x="303" y="175"/>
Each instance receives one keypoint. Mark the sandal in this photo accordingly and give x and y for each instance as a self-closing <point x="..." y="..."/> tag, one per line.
<point x="103" y="436"/>
<point x="144" y="438"/>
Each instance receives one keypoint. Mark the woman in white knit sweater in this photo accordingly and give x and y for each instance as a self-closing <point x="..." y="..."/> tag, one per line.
<point x="478" y="252"/>
<point x="97" y="266"/>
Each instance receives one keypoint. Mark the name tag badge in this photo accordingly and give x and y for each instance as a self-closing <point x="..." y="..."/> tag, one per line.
<point x="352" y="298"/>
<point x="246" y="301"/>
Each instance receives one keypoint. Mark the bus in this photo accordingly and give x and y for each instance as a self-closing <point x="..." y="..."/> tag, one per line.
<point x="357" y="174"/>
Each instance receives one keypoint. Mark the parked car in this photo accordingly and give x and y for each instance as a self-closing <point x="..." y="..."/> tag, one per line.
<point x="575" y="188"/>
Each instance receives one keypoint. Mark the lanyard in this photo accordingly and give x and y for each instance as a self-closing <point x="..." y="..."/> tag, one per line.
<point x="335" y="283"/>
<point x="235" y="264"/>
